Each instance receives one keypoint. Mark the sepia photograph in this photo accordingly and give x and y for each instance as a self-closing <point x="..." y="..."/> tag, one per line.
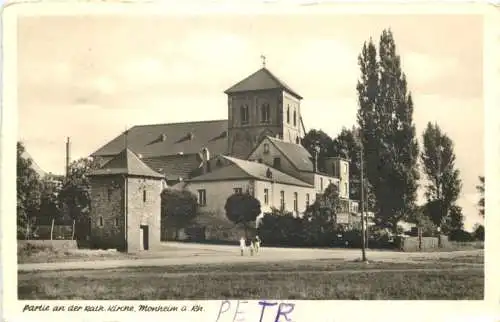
<point x="250" y="156"/>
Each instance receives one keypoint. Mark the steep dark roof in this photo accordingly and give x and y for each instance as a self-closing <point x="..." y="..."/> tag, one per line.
<point x="295" y="153"/>
<point x="128" y="163"/>
<point x="243" y="169"/>
<point x="262" y="79"/>
<point x="186" y="138"/>
<point x="174" y="166"/>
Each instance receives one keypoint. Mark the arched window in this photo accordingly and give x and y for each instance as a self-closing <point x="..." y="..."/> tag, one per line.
<point x="265" y="113"/>
<point x="297" y="141"/>
<point x="294" y="118"/>
<point x="244" y="114"/>
<point x="288" y="114"/>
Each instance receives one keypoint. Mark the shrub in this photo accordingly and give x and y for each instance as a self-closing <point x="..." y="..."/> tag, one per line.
<point x="178" y="209"/>
<point x="461" y="236"/>
<point x="479" y="233"/>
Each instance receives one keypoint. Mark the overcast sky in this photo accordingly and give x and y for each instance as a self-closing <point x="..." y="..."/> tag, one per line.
<point x="90" y="77"/>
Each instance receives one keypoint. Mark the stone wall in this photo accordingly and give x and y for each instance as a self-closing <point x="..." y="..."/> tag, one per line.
<point x="143" y="212"/>
<point x="52" y="244"/>
<point x="107" y="203"/>
<point x="242" y="138"/>
<point x="412" y="244"/>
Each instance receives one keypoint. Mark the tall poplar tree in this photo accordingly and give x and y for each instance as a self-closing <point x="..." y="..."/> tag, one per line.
<point x="385" y="117"/>
<point x="444" y="184"/>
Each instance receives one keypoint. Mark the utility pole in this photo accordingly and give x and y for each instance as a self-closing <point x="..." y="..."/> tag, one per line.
<point x="363" y="234"/>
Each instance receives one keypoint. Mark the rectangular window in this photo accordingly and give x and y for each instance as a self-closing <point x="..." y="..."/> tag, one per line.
<point x="295" y="201"/>
<point x="320" y="184"/>
<point x="110" y="192"/>
<point x="244" y="114"/>
<point x="144" y="195"/>
<point x="116" y="222"/>
<point x="282" y="200"/>
<point x="238" y="191"/>
<point x="346" y="187"/>
<point x="307" y="200"/>
<point x="266" y="196"/>
<point x="202" y="197"/>
<point x="100" y="221"/>
<point x="266" y="148"/>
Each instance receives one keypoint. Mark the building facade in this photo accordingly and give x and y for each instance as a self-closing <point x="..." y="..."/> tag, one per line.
<point x="258" y="106"/>
<point x="126" y="205"/>
<point x="256" y="149"/>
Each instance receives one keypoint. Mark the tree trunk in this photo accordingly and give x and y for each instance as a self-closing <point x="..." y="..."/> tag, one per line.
<point x="52" y="229"/>
<point x="73" y="231"/>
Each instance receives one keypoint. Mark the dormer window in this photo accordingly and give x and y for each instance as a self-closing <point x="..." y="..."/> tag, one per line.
<point x="163" y="137"/>
<point x="269" y="173"/>
<point x="190" y="136"/>
<point x="245" y="117"/>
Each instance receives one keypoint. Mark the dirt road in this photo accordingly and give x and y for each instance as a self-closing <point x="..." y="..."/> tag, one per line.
<point x="188" y="254"/>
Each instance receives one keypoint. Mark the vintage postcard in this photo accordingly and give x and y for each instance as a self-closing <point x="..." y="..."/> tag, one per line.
<point x="217" y="162"/>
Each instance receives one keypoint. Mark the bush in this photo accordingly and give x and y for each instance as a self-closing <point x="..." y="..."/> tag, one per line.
<point x="460" y="236"/>
<point x="178" y="209"/>
<point x="479" y="233"/>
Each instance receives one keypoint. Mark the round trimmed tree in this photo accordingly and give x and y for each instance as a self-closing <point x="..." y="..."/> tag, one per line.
<point x="242" y="209"/>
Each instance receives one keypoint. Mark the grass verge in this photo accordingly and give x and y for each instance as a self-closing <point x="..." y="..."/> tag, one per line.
<point x="288" y="280"/>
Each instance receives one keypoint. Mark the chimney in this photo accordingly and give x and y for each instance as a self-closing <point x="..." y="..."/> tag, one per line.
<point x="205" y="157"/>
<point x="68" y="155"/>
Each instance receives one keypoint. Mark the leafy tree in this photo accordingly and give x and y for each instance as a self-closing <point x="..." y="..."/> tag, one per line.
<point x="478" y="232"/>
<point x="438" y="159"/>
<point x="75" y="192"/>
<point x="480" y="189"/>
<point x="455" y="220"/>
<point x="178" y="208"/>
<point x="318" y="138"/>
<point x="29" y="192"/>
<point x="242" y="209"/>
<point x="348" y="145"/>
<point x="385" y="117"/>
<point x="50" y="205"/>
<point x="321" y="216"/>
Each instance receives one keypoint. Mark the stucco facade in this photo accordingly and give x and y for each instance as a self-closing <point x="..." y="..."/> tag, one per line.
<point x="268" y="193"/>
<point x="295" y="198"/>
<point x="216" y="193"/>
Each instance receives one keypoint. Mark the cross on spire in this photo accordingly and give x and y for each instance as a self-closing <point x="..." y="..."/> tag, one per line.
<point x="263" y="60"/>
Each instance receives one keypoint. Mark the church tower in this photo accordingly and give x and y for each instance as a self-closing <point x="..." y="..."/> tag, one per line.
<point x="262" y="105"/>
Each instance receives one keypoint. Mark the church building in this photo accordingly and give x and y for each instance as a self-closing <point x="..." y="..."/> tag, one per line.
<point x="257" y="149"/>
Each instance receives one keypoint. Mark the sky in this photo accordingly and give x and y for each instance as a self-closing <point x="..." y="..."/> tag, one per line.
<point x="90" y="77"/>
